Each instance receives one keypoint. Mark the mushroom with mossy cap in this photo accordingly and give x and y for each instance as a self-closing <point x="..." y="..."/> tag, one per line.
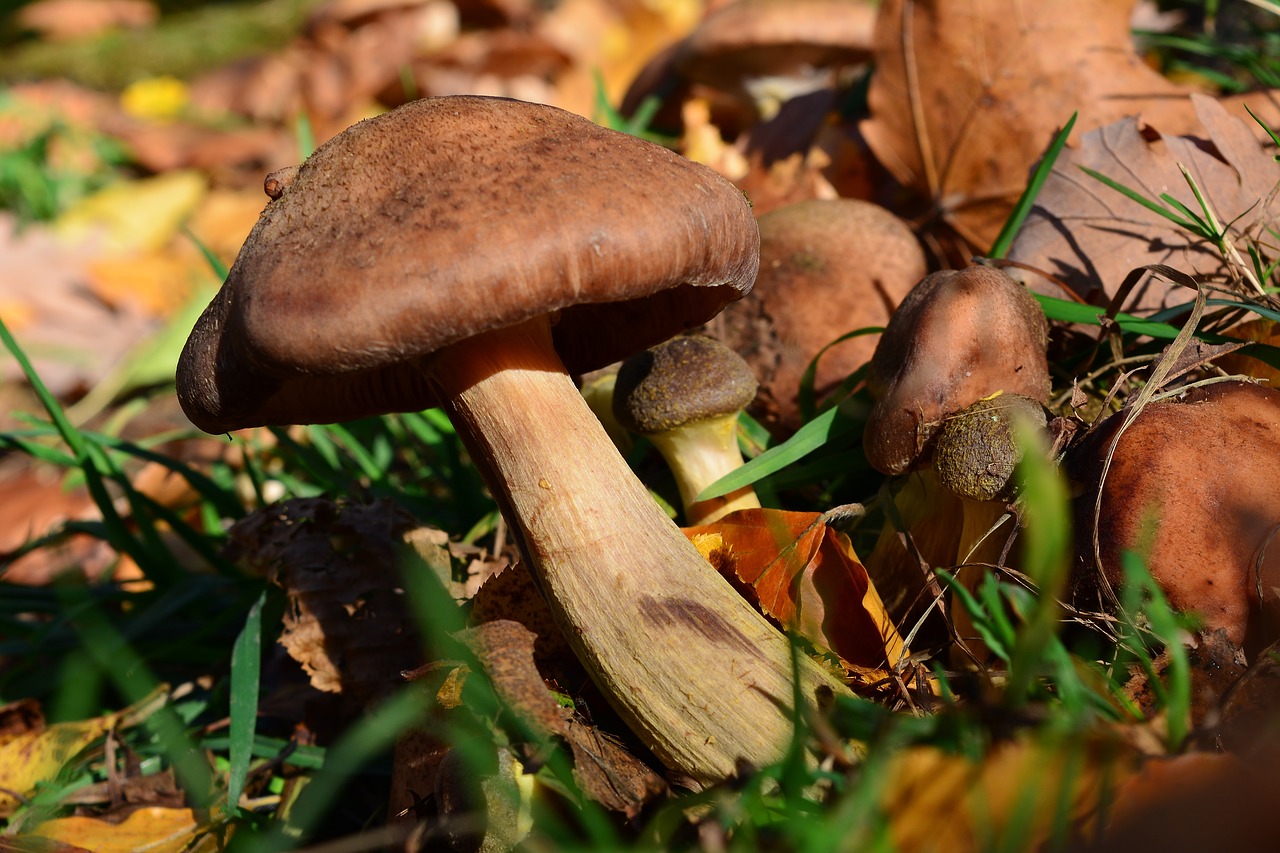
<point x="685" y="396"/>
<point x="957" y="338"/>
<point x="464" y="252"/>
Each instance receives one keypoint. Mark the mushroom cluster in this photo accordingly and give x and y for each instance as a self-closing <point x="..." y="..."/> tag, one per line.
<point x="468" y="252"/>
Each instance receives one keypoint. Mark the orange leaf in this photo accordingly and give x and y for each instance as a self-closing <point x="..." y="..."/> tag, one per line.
<point x="806" y="576"/>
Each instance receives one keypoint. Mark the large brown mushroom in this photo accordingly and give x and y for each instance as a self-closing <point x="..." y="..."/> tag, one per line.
<point x="462" y="252"/>
<point x="1191" y="488"/>
<point x="827" y="267"/>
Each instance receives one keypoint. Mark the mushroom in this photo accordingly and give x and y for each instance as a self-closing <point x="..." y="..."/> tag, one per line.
<point x="685" y="396"/>
<point x="463" y="251"/>
<point x="770" y="51"/>
<point x="827" y="267"/>
<point x="958" y="337"/>
<point x="1191" y="488"/>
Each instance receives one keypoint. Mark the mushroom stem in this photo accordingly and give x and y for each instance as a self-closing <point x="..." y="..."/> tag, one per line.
<point x="698" y="674"/>
<point x="699" y="454"/>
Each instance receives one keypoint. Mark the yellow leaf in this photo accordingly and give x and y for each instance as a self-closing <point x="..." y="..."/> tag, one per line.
<point x="134" y="216"/>
<point x="151" y="829"/>
<point x="155" y="98"/>
<point x="28" y="758"/>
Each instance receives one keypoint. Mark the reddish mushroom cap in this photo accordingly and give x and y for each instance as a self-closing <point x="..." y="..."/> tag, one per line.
<point x="957" y="337"/>
<point x="449" y="217"/>
<point x="1203" y="473"/>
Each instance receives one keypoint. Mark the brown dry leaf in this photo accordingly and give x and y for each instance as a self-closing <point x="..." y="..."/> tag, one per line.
<point x="347" y="622"/>
<point x="72" y="337"/>
<point x="62" y="20"/>
<point x="151" y="828"/>
<point x="1090" y="236"/>
<point x="34" y="502"/>
<point x="605" y="770"/>
<point x="966" y="96"/>
<point x="806" y="576"/>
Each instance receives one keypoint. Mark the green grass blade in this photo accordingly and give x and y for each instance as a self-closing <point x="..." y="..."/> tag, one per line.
<point x="822" y="430"/>
<point x="805" y="397"/>
<point x="1028" y="198"/>
<point x="1154" y="207"/>
<point x="246" y="666"/>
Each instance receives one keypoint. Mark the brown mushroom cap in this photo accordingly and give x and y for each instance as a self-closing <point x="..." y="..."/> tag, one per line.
<point x="957" y="337"/>
<point x="446" y="218"/>
<point x="827" y="267"/>
<point x="1204" y="472"/>
<point x="681" y="381"/>
<point x="756" y="38"/>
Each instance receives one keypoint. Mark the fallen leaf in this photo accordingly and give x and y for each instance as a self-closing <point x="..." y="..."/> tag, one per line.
<point x="966" y="96"/>
<point x="347" y="622"/>
<point x="1019" y="792"/>
<point x="72" y="337"/>
<point x="605" y="770"/>
<point x="136" y="215"/>
<point x="1090" y="236"/>
<point x="38" y="754"/>
<point x="153" y="829"/>
<point x="805" y="575"/>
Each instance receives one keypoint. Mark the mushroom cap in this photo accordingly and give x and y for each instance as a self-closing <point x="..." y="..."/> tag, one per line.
<point x="976" y="451"/>
<point x="1204" y="472"/>
<point x="957" y="337"/>
<point x="756" y="38"/>
<point x="827" y="267"/>
<point x="449" y="217"/>
<point x="681" y="381"/>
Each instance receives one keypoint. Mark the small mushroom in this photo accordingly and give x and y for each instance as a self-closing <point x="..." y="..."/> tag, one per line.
<point x="685" y="396"/>
<point x="957" y="337"/>
<point x="465" y="252"/>
<point x="1192" y="488"/>
<point x="827" y="267"/>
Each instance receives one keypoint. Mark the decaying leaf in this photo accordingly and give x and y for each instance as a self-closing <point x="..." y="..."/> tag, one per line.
<point x="37" y="754"/>
<point x="806" y="576"/>
<point x="153" y="829"/>
<point x="605" y="770"/>
<point x="347" y="623"/>
<point x="966" y="96"/>
<point x="1090" y="236"/>
<point x="1022" y="793"/>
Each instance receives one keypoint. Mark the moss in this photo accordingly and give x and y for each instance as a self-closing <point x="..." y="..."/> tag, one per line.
<point x="976" y="452"/>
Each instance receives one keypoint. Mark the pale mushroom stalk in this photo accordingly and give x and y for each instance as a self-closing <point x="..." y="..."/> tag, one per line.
<point x="701" y="677"/>
<point x="685" y="396"/>
<point x="700" y="454"/>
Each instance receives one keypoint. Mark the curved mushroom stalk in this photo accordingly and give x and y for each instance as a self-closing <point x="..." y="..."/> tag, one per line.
<point x="700" y="676"/>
